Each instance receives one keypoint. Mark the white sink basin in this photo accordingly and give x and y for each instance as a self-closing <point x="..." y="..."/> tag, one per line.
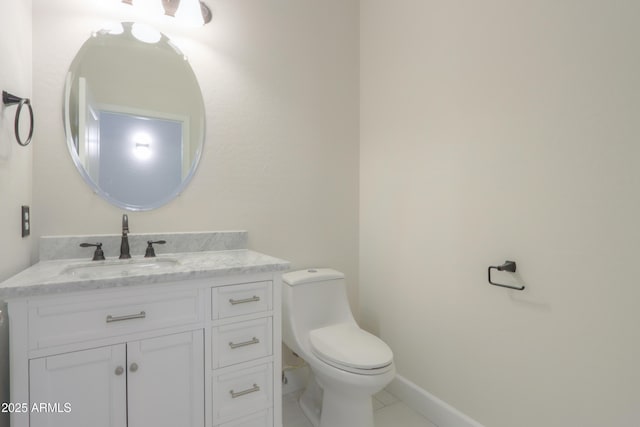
<point x="126" y="267"/>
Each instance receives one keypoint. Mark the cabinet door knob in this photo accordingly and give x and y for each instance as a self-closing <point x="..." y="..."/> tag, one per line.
<point x="119" y="370"/>
<point x="133" y="367"/>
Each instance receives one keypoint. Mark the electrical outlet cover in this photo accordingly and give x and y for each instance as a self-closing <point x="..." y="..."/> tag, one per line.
<point x="26" y="221"/>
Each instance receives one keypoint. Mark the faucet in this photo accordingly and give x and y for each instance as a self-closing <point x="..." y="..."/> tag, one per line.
<point x="124" y="244"/>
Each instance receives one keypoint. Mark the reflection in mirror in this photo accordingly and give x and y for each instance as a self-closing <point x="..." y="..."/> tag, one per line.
<point x="134" y="116"/>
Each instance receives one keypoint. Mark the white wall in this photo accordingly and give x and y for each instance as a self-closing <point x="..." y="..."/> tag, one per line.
<point x="502" y="130"/>
<point x="15" y="161"/>
<point x="280" y="83"/>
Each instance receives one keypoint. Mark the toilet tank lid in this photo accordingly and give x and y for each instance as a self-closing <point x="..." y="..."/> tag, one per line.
<point x="311" y="275"/>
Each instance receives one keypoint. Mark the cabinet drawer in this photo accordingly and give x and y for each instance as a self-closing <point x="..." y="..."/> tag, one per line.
<point x="260" y="419"/>
<point x="243" y="392"/>
<point x="236" y="300"/>
<point x="241" y="342"/>
<point x="58" y="321"/>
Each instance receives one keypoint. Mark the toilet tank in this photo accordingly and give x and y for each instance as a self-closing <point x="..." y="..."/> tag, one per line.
<point x="311" y="299"/>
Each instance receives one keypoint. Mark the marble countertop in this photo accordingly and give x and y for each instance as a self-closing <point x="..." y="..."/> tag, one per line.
<point x="68" y="275"/>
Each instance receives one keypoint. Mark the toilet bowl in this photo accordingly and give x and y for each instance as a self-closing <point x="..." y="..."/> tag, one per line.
<point x="348" y="365"/>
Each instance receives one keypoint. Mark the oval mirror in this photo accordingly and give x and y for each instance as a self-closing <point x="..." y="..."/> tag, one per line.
<point x="133" y="116"/>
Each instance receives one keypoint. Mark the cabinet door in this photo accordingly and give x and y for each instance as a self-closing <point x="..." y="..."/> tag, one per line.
<point x="166" y="381"/>
<point x="79" y="389"/>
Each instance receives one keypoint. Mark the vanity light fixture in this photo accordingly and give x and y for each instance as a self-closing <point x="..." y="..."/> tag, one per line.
<point x="193" y="12"/>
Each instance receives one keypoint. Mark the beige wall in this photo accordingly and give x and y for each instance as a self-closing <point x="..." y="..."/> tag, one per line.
<point x="15" y="161"/>
<point x="280" y="83"/>
<point x="505" y="130"/>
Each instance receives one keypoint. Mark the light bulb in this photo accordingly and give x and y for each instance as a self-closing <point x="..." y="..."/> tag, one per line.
<point x="145" y="33"/>
<point x="149" y="7"/>
<point x="189" y="12"/>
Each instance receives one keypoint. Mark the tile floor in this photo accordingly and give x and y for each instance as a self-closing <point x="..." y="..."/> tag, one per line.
<point x="388" y="412"/>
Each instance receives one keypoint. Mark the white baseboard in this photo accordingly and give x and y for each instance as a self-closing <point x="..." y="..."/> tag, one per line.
<point x="435" y="410"/>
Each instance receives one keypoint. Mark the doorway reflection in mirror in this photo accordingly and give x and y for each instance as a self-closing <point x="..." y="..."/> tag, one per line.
<point x="142" y="146"/>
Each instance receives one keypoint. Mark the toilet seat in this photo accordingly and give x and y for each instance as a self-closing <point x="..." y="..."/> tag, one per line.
<point x="347" y="347"/>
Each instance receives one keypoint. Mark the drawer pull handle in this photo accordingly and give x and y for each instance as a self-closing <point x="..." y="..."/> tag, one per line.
<point x="244" y="301"/>
<point x="140" y="315"/>
<point x="244" y="344"/>
<point x="119" y="370"/>
<point x="253" y="389"/>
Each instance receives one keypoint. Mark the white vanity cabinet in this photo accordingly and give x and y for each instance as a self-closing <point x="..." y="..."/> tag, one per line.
<point x="165" y="381"/>
<point x="88" y="379"/>
<point x="151" y="382"/>
<point x="242" y="348"/>
<point x="194" y="353"/>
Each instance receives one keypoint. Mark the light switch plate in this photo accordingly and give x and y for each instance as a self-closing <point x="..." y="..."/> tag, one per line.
<point x="26" y="221"/>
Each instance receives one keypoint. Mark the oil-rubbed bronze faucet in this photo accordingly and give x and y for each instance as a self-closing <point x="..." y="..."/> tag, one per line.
<point x="124" y="244"/>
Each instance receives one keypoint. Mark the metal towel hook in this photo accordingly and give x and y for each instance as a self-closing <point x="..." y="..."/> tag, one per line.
<point x="9" y="99"/>
<point x="509" y="266"/>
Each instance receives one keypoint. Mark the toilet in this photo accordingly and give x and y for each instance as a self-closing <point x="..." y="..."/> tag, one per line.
<point x="348" y="365"/>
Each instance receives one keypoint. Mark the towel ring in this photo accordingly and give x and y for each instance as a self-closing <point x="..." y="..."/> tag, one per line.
<point x="9" y="99"/>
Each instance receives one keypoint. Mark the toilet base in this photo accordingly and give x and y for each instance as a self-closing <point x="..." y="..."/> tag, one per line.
<point x="329" y="403"/>
<point x="311" y="401"/>
<point x="335" y="409"/>
<point x="342" y="410"/>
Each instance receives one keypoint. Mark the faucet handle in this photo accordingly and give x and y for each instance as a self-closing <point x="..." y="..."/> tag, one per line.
<point x="98" y="255"/>
<point x="150" y="252"/>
